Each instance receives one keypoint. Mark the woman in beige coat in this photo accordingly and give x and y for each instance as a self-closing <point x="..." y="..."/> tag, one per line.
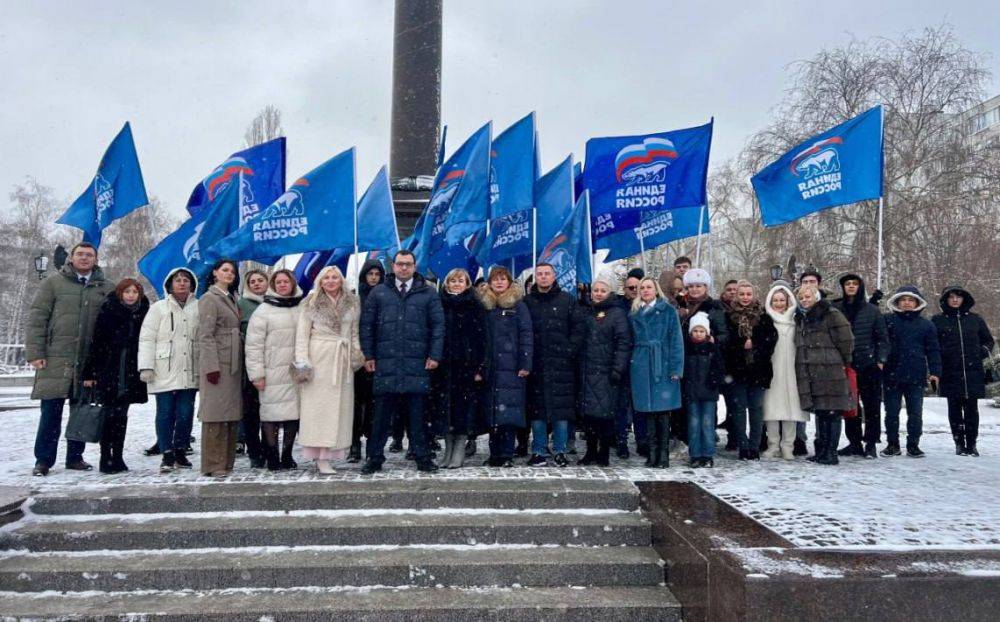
<point x="220" y="360"/>
<point x="270" y="351"/>
<point x="327" y="353"/>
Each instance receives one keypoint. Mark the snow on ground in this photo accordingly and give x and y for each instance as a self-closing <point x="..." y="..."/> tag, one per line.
<point x="941" y="501"/>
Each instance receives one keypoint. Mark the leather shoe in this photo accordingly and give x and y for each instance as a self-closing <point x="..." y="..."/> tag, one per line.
<point x="370" y="467"/>
<point x="79" y="466"/>
<point x="40" y="470"/>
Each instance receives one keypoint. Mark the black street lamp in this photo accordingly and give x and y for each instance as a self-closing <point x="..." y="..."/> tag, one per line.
<point x="776" y="272"/>
<point x="41" y="265"/>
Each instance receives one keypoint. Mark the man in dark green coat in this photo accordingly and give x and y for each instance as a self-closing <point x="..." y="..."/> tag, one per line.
<point x="60" y="325"/>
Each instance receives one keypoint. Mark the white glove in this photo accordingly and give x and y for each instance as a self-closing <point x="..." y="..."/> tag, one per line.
<point x="147" y="375"/>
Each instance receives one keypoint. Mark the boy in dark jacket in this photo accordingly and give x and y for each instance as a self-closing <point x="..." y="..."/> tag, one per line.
<point x="915" y="358"/>
<point x="871" y="351"/>
<point x="703" y="376"/>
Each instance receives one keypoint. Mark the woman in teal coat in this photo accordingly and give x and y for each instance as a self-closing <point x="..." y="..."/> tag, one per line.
<point x="657" y="366"/>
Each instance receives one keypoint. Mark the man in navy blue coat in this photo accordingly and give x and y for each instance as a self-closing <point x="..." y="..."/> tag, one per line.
<point x="402" y="338"/>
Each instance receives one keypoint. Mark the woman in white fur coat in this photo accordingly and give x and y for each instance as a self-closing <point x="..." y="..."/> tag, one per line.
<point x="327" y="353"/>
<point x="781" y="401"/>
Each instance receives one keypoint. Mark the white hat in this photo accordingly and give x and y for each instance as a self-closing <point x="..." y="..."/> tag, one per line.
<point x="700" y="319"/>
<point x="697" y="276"/>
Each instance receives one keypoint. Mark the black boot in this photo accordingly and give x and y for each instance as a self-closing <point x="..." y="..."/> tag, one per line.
<point x="105" y="465"/>
<point x="819" y="443"/>
<point x="355" y="454"/>
<point x="589" y="456"/>
<point x="167" y="464"/>
<point x="153" y="450"/>
<point x="470" y="447"/>
<point x="799" y="448"/>
<point x="970" y="449"/>
<point x="180" y="459"/>
<point x="960" y="448"/>
<point x="831" y="433"/>
<point x="664" y="441"/>
<point x="118" y="446"/>
<point x="271" y="458"/>
<point x="604" y="452"/>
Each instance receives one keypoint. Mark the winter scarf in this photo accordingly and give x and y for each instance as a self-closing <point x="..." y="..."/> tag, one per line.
<point x="284" y="302"/>
<point x="745" y="318"/>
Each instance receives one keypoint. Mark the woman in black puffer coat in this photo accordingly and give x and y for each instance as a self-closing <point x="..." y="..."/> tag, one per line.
<point x="965" y="341"/>
<point x="606" y="354"/>
<point x="454" y="390"/>
<point x="112" y="367"/>
<point x="508" y="361"/>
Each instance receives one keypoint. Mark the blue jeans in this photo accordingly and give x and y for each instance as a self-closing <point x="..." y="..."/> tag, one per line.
<point x="701" y="428"/>
<point x="47" y="437"/>
<point x="747" y="399"/>
<point x="540" y="437"/>
<point x="914" y="396"/>
<point x="174" y="418"/>
<point x="413" y="405"/>
<point x="502" y="442"/>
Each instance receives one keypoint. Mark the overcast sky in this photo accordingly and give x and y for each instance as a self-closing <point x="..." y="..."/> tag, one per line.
<point x="191" y="75"/>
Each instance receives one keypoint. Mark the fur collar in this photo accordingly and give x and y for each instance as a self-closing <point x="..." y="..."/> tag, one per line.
<point x="506" y="300"/>
<point x="322" y="310"/>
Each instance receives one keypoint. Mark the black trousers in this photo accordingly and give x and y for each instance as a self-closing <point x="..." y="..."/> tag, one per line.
<point x="869" y="410"/>
<point x="414" y="406"/>
<point x="250" y="425"/>
<point x="963" y="415"/>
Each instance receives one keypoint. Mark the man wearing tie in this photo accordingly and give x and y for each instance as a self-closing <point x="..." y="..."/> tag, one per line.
<point x="402" y="338"/>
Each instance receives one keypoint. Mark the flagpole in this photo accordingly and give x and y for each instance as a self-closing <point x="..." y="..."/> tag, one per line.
<point x="590" y="240"/>
<point x="642" y="249"/>
<point x="534" y="239"/>
<point x="878" y="270"/>
<point x="881" y="199"/>
<point x="701" y="220"/>
<point x="357" y="265"/>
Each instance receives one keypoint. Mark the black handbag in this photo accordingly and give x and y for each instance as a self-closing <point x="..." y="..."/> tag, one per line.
<point x="86" y="418"/>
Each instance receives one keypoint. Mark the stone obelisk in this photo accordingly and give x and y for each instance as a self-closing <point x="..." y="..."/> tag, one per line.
<point x="416" y="106"/>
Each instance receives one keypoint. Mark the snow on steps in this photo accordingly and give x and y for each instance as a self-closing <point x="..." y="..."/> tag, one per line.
<point x="450" y="550"/>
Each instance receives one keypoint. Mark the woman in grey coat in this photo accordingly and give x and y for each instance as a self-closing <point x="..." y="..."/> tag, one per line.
<point x="823" y="345"/>
<point x="220" y="360"/>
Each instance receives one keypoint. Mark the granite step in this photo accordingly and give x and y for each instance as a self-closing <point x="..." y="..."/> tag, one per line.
<point x="319" y="495"/>
<point x="368" y="604"/>
<point x="278" y="567"/>
<point x="327" y="527"/>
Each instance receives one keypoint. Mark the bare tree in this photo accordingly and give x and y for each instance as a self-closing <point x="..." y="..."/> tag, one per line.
<point x="264" y="127"/>
<point x="128" y="239"/>
<point x="942" y="190"/>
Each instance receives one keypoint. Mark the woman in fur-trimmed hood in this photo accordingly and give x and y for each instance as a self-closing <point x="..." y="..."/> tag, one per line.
<point x="327" y="353"/>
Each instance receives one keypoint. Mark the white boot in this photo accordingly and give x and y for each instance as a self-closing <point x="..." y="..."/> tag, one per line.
<point x="772" y="440"/>
<point x="323" y="466"/>
<point x="788" y="440"/>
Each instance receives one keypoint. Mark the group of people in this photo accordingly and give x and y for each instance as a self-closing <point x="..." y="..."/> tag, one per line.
<point x="401" y="359"/>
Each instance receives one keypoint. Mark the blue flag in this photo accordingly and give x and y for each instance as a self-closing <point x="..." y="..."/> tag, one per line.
<point x="186" y="247"/>
<point x="465" y="176"/>
<point x="840" y="166"/>
<point x="116" y="190"/>
<point x="650" y="172"/>
<point x="657" y="228"/>
<point x="263" y="170"/>
<point x="377" y="216"/>
<point x="569" y="250"/>
<point x="457" y="208"/>
<point x="173" y="251"/>
<point x="317" y="213"/>
<point x="311" y="264"/>
<point x="553" y="201"/>
<point x="512" y="168"/>
<point x="509" y="238"/>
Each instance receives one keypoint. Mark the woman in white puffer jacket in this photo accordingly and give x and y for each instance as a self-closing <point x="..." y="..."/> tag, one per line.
<point x="168" y="364"/>
<point x="270" y="352"/>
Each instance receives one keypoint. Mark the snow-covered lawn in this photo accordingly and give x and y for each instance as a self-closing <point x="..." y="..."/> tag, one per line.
<point x="941" y="501"/>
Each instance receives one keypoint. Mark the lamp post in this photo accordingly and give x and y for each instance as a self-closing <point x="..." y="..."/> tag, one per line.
<point x="776" y="272"/>
<point x="41" y="265"/>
